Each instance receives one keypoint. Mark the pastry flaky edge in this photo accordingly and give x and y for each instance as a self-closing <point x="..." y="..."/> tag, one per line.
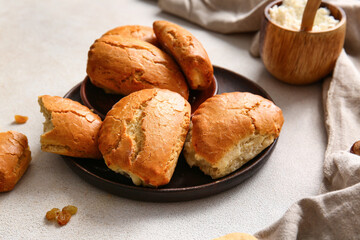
<point x="188" y="52"/>
<point x="15" y="157"/>
<point x="229" y="129"/>
<point x="144" y="33"/>
<point x="143" y="134"/>
<point x="124" y="65"/>
<point x="70" y="128"/>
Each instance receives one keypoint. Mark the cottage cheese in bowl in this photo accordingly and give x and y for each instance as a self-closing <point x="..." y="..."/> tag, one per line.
<point x="289" y="15"/>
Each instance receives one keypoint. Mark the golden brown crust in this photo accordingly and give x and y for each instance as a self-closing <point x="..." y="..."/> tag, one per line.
<point x="144" y="33"/>
<point x="223" y="120"/>
<point x="15" y="157"/>
<point x="237" y="236"/>
<point x="187" y="51"/>
<point x="143" y="135"/>
<point x="71" y="129"/>
<point x="125" y="65"/>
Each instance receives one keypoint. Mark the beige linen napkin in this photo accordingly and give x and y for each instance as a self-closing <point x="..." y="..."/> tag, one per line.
<point x="335" y="212"/>
<point x="231" y="16"/>
<point x="224" y="16"/>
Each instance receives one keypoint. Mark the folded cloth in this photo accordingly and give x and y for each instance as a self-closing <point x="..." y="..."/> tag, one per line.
<point x="334" y="213"/>
<point x="224" y="16"/>
<point x="341" y="95"/>
<point x="234" y="16"/>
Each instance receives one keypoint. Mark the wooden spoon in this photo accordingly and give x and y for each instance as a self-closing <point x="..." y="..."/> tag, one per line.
<point x="309" y="14"/>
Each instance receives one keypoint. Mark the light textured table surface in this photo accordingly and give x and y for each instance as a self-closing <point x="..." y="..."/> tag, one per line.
<point x="44" y="47"/>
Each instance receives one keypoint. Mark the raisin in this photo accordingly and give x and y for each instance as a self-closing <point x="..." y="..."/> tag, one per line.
<point x="70" y="209"/>
<point x="355" y="149"/>
<point x="52" y="214"/>
<point x="63" y="218"/>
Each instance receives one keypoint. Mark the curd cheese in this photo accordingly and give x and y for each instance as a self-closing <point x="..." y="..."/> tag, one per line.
<point x="289" y="15"/>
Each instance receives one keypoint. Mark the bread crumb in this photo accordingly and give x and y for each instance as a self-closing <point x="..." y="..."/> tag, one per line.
<point x="21" y="119"/>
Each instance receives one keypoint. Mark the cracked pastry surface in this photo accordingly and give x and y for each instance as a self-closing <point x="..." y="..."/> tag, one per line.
<point x="15" y="157"/>
<point x="229" y="129"/>
<point x="125" y="65"/>
<point x="143" y="134"/>
<point x="144" y="33"/>
<point x="70" y="128"/>
<point x="188" y="52"/>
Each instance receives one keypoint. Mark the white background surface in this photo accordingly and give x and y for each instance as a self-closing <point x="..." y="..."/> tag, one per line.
<point x="44" y="45"/>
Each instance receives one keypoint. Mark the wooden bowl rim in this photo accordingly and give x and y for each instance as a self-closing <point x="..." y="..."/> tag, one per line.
<point x="277" y="2"/>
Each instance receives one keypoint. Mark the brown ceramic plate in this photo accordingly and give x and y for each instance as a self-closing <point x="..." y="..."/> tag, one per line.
<point x="100" y="102"/>
<point x="187" y="183"/>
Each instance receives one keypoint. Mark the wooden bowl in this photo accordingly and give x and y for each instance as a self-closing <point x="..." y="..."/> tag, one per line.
<point x="301" y="57"/>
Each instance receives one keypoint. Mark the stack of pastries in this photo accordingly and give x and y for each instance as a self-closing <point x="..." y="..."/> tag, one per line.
<point x="143" y="135"/>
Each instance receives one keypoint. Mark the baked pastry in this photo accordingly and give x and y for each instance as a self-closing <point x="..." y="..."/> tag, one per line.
<point x="187" y="51"/>
<point x="15" y="157"/>
<point x="144" y="33"/>
<point x="229" y="129"/>
<point x="70" y="128"/>
<point x="237" y="236"/>
<point x="143" y="134"/>
<point x="125" y="65"/>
